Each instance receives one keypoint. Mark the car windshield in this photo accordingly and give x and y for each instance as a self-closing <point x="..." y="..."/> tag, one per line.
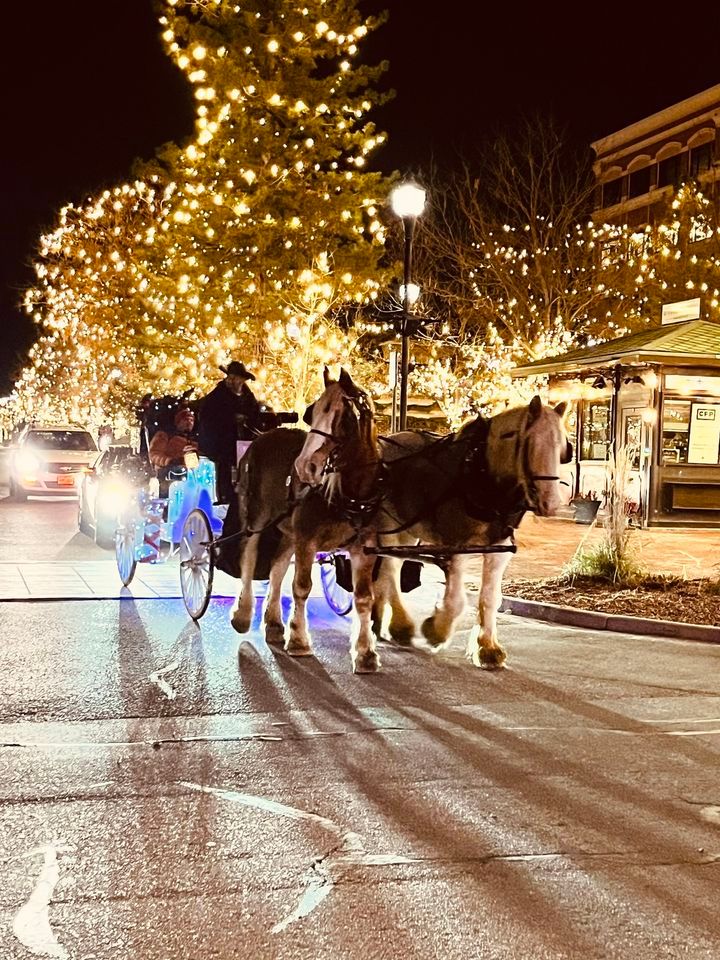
<point x="61" y="440"/>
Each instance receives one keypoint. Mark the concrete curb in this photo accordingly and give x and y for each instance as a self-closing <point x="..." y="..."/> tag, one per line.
<point x="572" y="617"/>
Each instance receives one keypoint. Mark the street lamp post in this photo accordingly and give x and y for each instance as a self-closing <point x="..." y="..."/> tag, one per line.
<point x="408" y="202"/>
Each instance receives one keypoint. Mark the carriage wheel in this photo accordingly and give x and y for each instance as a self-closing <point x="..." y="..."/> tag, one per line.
<point x="197" y="563"/>
<point x="338" y="598"/>
<point x="125" y="551"/>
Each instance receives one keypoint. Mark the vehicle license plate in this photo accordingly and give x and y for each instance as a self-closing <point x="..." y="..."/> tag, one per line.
<point x="66" y="480"/>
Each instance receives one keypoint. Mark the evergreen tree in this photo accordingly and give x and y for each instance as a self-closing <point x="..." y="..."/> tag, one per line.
<point x="88" y="302"/>
<point x="260" y="238"/>
<point x="274" y="230"/>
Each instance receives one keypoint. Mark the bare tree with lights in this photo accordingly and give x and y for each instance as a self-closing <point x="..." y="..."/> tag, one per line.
<point x="513" y="246"/>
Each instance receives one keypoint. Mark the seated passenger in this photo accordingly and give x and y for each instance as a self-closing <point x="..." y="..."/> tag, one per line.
<point x="169" y="449"/>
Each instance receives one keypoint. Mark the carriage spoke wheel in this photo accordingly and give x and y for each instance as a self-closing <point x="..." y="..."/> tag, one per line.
<point x="338" y="598"/>
<point x="197" y="563"/>
<point x="125" y="551"/>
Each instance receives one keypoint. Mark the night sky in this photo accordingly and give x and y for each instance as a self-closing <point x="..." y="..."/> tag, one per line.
<point x="87" y="88"/>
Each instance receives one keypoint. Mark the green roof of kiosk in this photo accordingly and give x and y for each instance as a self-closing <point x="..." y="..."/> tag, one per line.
<point x="691" y="343"/>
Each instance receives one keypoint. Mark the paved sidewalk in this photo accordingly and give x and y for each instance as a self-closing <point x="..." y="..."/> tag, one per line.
<point x="99" y="580"/>
<point x="544" y="546"/>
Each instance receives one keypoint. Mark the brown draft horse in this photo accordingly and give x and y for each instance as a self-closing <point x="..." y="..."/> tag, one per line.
<point x="467" y="489"/>
<point x="341" y="458"/>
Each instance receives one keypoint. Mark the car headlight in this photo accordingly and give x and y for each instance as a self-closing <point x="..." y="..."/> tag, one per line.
<point x="26" y="462"/>
<point x="112" y="497"/>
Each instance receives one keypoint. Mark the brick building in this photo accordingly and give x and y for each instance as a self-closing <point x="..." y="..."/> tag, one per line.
<point x="638" y="168"/>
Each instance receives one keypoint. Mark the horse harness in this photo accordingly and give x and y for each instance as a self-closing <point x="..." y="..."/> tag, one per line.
<point x="357" y="511"/>
<point x="477" y="488"/>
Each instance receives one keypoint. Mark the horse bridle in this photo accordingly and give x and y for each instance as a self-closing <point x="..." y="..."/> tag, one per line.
<point x="522" y="454"/>
<point x="359" y="404"/>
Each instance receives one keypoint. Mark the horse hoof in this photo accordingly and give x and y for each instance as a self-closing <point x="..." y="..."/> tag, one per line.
<point x="297" y="649"/>
<point x="274" y="633"/>
<point x="430" y="633"/>
<point x="240" y="623"/>
<point x="492" y="659"/>
<point x="402" y="636"/>
<point x="367" y="663"/>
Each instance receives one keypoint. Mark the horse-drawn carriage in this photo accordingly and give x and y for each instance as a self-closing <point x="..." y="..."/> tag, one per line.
<point x="175" y="512"/>
<point x="361" y="505"/>
<point x="384" y="501"/>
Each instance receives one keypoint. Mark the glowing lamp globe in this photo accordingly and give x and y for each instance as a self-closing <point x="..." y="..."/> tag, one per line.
<point x="413" y="293"/>
<point x="408" y="200"/>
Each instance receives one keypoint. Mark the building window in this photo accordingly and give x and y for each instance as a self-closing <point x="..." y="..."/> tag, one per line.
<point x="676" y="424"/>
<point x="595" y="430"/>
<point x="639" y="182"/>
<point x="612" y="192"/>
<point x="701" y="159"/>
<point x="670" y="171"/>
<point x="691" y="431"/>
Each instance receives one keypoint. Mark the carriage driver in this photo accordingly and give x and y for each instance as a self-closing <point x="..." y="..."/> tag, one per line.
<point x="219" y="412"/>
<point x="168" y="448"/>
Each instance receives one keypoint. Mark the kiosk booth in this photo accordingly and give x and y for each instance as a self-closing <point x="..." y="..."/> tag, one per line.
<point x="656" y="392"/>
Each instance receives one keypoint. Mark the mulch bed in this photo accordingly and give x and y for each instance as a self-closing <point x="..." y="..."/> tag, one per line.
<point x="684" y="601"/>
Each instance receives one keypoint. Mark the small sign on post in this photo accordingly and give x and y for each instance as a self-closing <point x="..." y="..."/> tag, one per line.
<point x="681" y="310"/>
<point x="393" y="368"/>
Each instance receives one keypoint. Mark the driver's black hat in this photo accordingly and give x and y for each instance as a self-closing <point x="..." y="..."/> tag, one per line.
<point x="237" y="369"/>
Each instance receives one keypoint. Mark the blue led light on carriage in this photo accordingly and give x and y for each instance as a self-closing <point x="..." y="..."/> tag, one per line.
<point x="195" y="491"/>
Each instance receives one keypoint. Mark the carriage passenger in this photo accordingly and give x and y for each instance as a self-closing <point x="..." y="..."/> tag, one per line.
<point x="231" y="400"/>
<point x="168" y="448"/>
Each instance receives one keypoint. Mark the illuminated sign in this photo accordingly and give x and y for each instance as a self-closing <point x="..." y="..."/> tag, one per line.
<point x="704" y="442"/>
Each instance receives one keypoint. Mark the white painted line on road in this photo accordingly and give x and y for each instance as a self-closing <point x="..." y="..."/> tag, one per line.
<point x="320" y="883"/>
<point x="261" y="803"/>
<point x="689" y="733"/>
<point x="31" y="925"/>
<point x="157" y="679"/>
<point x="685" y="720"/>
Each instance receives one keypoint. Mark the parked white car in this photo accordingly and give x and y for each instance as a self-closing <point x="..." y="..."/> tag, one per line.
<point x="50" y="459"/>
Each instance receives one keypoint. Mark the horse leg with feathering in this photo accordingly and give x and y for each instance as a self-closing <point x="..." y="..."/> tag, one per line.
<point x="340" y="462"/>
<point x="469" y="489"/>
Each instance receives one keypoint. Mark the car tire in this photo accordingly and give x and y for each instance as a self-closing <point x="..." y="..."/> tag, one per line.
<point x="105" y="528"/>
<point x="17" y="493"/>
<point x="83" y="525"/>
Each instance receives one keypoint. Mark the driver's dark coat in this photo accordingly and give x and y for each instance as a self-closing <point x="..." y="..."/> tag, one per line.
<point x="218" y="427"/>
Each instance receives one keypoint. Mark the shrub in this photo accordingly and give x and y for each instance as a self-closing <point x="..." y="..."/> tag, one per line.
<point x="613" y="558"/>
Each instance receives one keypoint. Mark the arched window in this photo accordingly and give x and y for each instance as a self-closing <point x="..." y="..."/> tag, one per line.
<point x="612" y="187"/>
<point x="702" y="152"/>
<point x="671" y="166"/>
<point x="639" y="179"/>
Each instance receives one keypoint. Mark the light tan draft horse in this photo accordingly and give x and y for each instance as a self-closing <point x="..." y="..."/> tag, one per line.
<point x="468" y="489"/>
<point x="340" y="459"/>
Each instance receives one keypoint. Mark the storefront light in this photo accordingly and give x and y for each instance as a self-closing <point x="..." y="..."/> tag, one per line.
<point x="651" y="379"/>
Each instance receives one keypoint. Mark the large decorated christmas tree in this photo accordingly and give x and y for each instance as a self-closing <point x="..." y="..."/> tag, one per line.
<point x="259" y="239"/>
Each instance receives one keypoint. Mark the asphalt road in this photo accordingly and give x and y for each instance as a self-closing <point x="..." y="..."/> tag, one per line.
<point x="169" y="792"/>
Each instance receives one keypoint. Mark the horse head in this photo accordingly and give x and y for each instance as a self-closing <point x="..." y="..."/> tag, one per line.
<point x="530" y="445"/>
<point x="340" y="419"/>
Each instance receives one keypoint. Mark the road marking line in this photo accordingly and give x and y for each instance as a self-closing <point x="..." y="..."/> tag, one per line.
<point x="31" y="925"/>
<point x="157" y="679"/>
<point x="350" y="851"/>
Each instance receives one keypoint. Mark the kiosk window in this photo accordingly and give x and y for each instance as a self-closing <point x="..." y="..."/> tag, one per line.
<point x="596" y="430"/>
<point x="676" y="426"/>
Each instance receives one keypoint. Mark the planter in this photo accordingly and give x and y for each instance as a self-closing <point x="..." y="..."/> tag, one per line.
<point x="585" y="510"/>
